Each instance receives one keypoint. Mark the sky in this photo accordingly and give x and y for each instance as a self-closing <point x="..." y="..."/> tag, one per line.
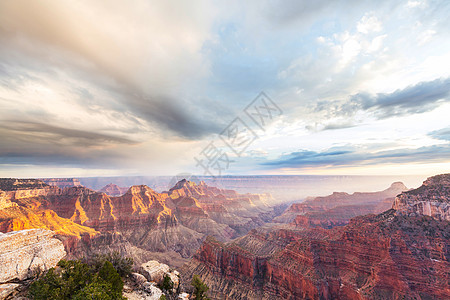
<point x="93" y="88"/>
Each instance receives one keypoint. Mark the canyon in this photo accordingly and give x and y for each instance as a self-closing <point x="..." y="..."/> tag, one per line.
<point x="380" y="245"/>
<point x="142" y="223"/>
<point x="400" y="253"/>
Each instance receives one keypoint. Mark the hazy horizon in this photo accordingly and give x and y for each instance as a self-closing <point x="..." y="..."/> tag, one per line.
<point x="284" y="188"/>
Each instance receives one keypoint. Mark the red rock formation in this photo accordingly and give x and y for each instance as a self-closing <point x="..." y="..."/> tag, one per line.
<point x="113" y="190"/>
<point x="385" y="256"/>
<point x="21" y="207"/>
<point x="177" y="220"/>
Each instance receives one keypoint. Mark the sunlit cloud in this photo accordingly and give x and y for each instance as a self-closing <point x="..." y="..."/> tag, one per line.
<point x="140" y="88"/>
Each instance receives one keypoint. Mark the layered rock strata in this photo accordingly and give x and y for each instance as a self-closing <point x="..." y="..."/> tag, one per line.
<point x="392" y="255"/>
<point x="26" y="251"/>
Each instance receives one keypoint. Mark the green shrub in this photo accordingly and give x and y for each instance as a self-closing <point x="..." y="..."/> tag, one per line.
<point x="95" y="291"/>
<point x="109" y="275"/>
<point x="167" y="284"/>
<point x="123" y="265"/>
<point x="77" y="280"/>
<point x="200" y="288"/>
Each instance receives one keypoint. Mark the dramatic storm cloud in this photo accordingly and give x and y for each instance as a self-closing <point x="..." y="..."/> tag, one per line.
<point x="108" y="87"/>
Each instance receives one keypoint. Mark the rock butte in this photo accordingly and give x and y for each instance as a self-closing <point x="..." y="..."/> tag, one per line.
<point x="113" y="190"/>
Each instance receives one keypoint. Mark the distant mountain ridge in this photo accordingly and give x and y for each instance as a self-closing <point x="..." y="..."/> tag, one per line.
<point x="338" y="208"/>
<point x="62" y="182"/>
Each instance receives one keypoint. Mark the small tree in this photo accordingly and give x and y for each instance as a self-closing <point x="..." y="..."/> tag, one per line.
<point x="77" y="280"/>
<point x="167" y="284"/>
<point x="109" y="274"/>
<point x="123" y="265"/>
<point x="200" y="288"/>
<point x="95" y="291"/>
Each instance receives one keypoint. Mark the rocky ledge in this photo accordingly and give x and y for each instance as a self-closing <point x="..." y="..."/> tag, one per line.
<point x="430" y="199"/>
<point x="25" y="251"/>
<point x="146" y="284"/>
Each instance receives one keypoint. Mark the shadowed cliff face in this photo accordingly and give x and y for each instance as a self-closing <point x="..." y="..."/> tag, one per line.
<point x="176" y="221"/>
<point x="391" y="255"/>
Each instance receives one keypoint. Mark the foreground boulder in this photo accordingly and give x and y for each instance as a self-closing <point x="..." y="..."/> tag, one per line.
<point x="146" y="291"/>
<point x="155" y="271"/>
<point x="26" y="251"/>
<point x="148" y="284"/>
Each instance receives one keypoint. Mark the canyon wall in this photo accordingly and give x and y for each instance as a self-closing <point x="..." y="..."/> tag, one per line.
<point x="141" y="221"/>
<point x="391" y="255"/>
<point x="431" y="199"/>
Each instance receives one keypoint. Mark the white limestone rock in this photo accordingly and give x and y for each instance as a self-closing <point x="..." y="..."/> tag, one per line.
<point x="154" y="271"/>
<point x="22" y="252"/>
<point x="8" y="290"/>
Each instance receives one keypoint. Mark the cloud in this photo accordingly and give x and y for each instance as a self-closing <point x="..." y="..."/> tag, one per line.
<point x="441" y="134"/>
<point x="369" y="24"/>
<point x="364" y="156"/>
<point x="343" y="125"/>
<point x="419" y="98"/>
<point x="141" y="59"/>
<point x="113" y="84"/>
<point x="58" y="135"/>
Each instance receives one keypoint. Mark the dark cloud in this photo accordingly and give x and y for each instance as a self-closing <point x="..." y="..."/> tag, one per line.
<point x="178" y="117"/>
<point x="183" y="118"/>
<point x="43" y="144"/>
<point x="419" y="98"/>
<point x="352" y="156"/>
<point x="285" y="12"/>
<point x="343" y="125"/>
<point x="46" y="133"/>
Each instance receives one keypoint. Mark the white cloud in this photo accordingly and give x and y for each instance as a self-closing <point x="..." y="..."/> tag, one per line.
<point x="425" y="36"/>
<point x="377" y="43"/>
<point x="414" y="4"/>
<point x="369" y="24"/>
